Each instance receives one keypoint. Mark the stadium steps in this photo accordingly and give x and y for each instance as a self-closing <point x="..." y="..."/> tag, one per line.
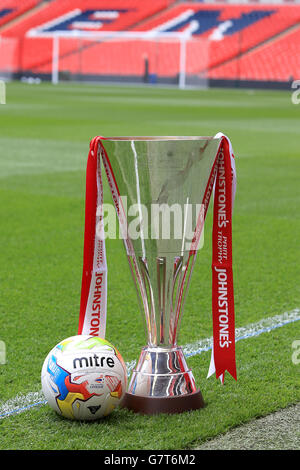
<point x="251" y="49"/>
<point x="275" y="37"/>
<point x="24" y="15"/>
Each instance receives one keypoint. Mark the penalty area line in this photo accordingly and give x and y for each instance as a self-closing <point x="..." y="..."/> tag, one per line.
<point x="22" y="403"/>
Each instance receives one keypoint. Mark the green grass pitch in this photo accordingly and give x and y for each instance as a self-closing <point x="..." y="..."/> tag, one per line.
<point x="44" y="140"/>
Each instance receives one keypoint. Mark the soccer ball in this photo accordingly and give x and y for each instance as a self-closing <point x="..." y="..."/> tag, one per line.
<point x="84" y="377"/>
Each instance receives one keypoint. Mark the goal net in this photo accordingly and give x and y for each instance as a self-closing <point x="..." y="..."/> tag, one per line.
<point x="165" y="58"/>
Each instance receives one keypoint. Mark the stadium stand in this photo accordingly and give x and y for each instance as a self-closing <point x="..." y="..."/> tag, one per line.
<point x="91" y="15"/>
<point x="35" y="53"/>
<point x="229" y="41"/>
<point x="276" y="60"/>
<point x="11" y="9"/>
<point x="231" y="29"/>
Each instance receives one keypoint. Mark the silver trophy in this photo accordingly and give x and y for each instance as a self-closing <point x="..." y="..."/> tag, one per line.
<point x="164" y="180"/>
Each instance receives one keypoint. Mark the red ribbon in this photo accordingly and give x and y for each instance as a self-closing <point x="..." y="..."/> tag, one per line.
<point x="222" y="179"/>
<point x="90" y="229"/>
<point x="222" y="275"/>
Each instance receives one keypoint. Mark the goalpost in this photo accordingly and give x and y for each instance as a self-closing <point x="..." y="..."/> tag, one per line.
<point x="8" y="58"/>
<point x="151" y="57"/>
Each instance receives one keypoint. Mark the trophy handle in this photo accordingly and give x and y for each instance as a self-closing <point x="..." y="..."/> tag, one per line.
<point x="150" y="305"/>
<point x="162" y="296"/>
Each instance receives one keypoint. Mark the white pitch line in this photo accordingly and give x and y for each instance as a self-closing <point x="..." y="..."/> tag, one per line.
<point x="253" y="329"/>
<point x="21" y="402"/>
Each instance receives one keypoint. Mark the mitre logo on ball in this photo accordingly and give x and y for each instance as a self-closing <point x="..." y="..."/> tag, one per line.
<point x="93" y="361"/>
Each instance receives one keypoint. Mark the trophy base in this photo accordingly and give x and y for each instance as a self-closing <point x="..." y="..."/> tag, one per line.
<point x="155" y="405"/>
<point x="162" y="383"/>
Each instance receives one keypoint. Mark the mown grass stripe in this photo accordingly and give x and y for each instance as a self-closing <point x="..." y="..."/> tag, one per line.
<point x="32" y="399"/>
